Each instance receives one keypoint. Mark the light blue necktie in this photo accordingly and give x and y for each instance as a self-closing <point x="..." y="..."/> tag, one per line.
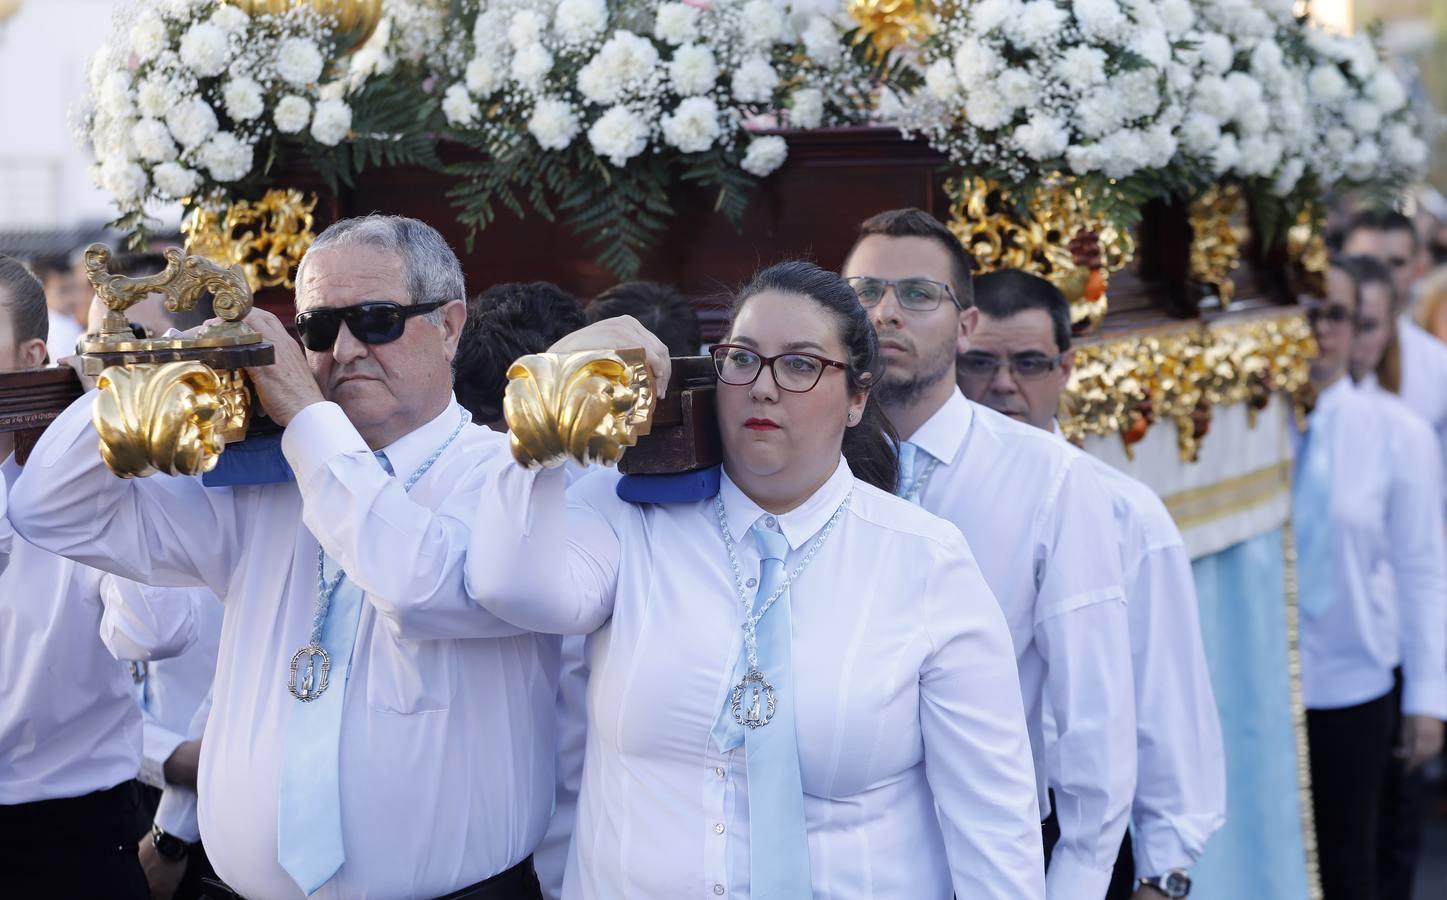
<point x="1311" y="520"/>
<point x="309" y="810"/>
<point x="778" y="837"/>
<point x="907" y="455"/>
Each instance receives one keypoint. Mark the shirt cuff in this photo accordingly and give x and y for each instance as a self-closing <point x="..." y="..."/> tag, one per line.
<point x="176" y="814"/>
<point x="1158" y="851"/>
<point x="318" y="434"/>
<point x="1071" y="879"/>
<point x="1424" y="699"/>
<point x="157" y="746"/>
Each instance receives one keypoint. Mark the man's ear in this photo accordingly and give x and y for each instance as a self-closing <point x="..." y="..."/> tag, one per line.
<point x="454" y="317"/>
<point x="969" y="320"/>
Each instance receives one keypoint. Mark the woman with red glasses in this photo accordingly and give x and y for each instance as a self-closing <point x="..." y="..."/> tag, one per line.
<point x="800" y="686"/>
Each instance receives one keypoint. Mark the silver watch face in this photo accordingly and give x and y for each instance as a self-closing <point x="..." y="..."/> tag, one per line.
<point x="1177" y="884"/>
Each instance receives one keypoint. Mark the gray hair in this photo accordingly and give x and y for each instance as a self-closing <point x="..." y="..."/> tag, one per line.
<point x="430" y="269"/>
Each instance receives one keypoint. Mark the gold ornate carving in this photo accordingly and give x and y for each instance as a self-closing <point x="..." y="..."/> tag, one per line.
<point x="1125" y="386"/>
<point x="356" y="19"/>
<point x="588" y="406"/>
<point x="265" y="238"/>
<point x="1055" y="236"/>
<point x="893" y="23"/>
<point x="160" y="418"/>
<point x="1307" y="251"/>
<point x="1216" y="235"/>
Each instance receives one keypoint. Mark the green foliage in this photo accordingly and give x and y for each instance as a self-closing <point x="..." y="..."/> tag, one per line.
<point x="393" y="124"/>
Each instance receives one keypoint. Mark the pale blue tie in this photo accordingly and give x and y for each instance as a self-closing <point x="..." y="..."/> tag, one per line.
<point x="309" y="809"/>
<point x="907" y="455"/>
<point x="1311" y="520"/>
<point x="778" y="836"/>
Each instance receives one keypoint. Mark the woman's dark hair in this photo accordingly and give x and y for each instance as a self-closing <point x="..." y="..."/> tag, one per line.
<point x="869" y="445"/>
<point x="23" y="299"/>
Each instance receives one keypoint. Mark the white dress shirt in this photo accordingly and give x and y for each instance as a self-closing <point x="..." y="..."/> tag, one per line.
<point x="447" y="725"/>
<point x="63" y="332"/>
<point x="1180" y="796"/>
<point x="1385" y="510"/>
<point x="551" y="860"/>
<point x="7" y="534"/>
<point x="912" y="742"/>
<point x="69" y="725"/>
<point x="176" y="632"/>
<point x="1424" y="377"/>
<point x="1041" y="527"/>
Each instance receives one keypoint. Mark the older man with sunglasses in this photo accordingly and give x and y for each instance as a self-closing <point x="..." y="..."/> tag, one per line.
<point x="374" y="731"/>
<point x="1038" y="522"/>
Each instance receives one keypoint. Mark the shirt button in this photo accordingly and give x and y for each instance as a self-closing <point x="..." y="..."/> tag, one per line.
<point x="752" y="582"/>
<point x="718" y="889"/>
<point x="719" y="771"/>
<point x="771" y="522"/>
<point x="718" y="829"/>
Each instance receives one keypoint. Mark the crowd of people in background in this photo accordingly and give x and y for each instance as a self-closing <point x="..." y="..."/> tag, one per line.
<point x="906" y="642"/>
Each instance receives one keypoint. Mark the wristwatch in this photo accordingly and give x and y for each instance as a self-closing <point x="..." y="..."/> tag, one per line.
<point x="169" y="846"/>
<point x="1174" y="884"/>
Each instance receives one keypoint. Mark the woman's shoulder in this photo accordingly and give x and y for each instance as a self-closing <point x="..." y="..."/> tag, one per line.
<point x="910" y="522"/>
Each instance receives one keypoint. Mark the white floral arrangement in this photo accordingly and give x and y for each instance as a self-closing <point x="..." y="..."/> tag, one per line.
<point x="1365" y="131"/>
<point x="1017" y="90"/>
<point x="592" y="96"/>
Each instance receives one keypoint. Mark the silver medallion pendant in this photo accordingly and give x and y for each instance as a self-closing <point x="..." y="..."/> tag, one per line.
<point x="313" y="682"/>
<point x="754" y="701"/>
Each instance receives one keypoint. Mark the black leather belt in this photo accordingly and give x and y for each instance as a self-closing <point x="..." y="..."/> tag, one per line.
<point x="517" y="883"/>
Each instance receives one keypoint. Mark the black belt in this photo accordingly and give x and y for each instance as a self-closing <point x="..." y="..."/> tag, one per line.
<point x="518" y="883"/>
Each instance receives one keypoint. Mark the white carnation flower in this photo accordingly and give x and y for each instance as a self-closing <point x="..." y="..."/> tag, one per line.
<point x="624" y="60"/>
<point x="806" y="108"/>
<point x="531" y="65"/>
<point x="331" y="122"/>
<point x="1039" y="24"/>
<point x="1246" y="93"/>
<point x="1084" y="158"/>
<point x="1327" y="83"/>
<point x="755" y="80"/>
<point x="292" y="114"/>
<point x="226" y="157"/>
<point x="298" y="61"/>
<point x="579" y="21"/>
<point x="693" y="126"/>
<point x="619" y="135"/>
<point x="763" y="22"/>
<point x="1017" y="88"/>
<point x="1213" y="98"/>
<point x="765" y="154"/>
<point x="692" y="69"/>
<point x="986" y="109"/>
<point x="1362" y="162"/>
<point x="990" y="14"/>
<point x="1178" y="16"/>
<point x="155" y="96"/>
<point x="821" y="41"/>
<point x="1227" y="155"/>
<point x="178" y="9"/>
<point x="525" y="29"/>
<point x="174" y="181"/>
<point x="481" y="77"/>
<point x="1100" y="20"/>
<point x="676" y="23"/>
<point x="1260" y="155"/>
<point x="1152" y="45"/>
<point x="243" y="98"/>
<point x="1125" y="153"/>
<point x="99" y="66"/>
<point x="939" y="80"/>
<point x="1340" y="140"/>
<point x="230" y="19"/>
<point x="975" y="62"/>
<point x="553" y="124"/>
<point x="115" y="94"/>
<point x="191" y="122"/>
<point x="1290" y="174"/>
<point x="1042" y="137"/>
<point x="1199" y="134"/>
<point x="1216" y="51"/>
<point x="1363" y="116"/>
<point x="458" y="106"/>
<point x="1404" y="147"/>
<point x="148" y="37"/>
<point x="205" y="50"/>
<point x="126" y="180"/>
<point x="1387" y="92"/>
<point x="152" y="141"/>
<point x="1080" y="66"/>
<point x="1253" y="119"/>
<point x="1160" y="145"/>
<point x="1266" y="57"/>
<point x="1100" y="111"/>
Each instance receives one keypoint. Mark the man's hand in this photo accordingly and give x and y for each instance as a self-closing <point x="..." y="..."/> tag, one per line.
<point x="162" y="874"/>
<point x="87" y="382"/>
<point x="287" y="386"/>
<point x="622" y="333"/>
<point x="1421" y="740"/>
<point x="183" y="763"/>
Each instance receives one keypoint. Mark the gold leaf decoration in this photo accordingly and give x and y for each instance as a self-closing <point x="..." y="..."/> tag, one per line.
<point x="588" y="406"/>
<point x="266" y="238"/>
<point x="356" y="19"/>
<point x="893" y="23"/>
<point x="159" y="418"/>
<point x="1217" y="230"/>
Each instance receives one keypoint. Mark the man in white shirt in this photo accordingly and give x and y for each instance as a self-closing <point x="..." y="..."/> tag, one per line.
<point x="70" y="732"/>
<point x="1356" y="510"/>
<point x="374" y="729"/>
<point x="1019" y="362"/>
<point x="1037" y="520"/>
<point x="169" y="637"/>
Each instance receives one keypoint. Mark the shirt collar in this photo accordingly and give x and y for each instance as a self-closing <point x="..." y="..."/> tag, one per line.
<point x="800" y="524"/>
<point x="943" y="433"/>
<point x="1340" y="390"/>
<point x="410" y="450"/>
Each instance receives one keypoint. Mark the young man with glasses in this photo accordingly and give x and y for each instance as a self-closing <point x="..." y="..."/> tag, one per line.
<point x="1038" y="522"/>
<point x="1019" y="364"/>
<point x="373" y="729"/>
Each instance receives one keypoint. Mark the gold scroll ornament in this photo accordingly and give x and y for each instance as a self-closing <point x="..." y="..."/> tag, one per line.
<point x="170" y="404"/>
<point x="1217" y="231"/>
<point x="266" y="238"/>
<point x="893" y="23"/>
<point x="588" y="406"/>
<point x="1045" y="238"/>
<point x="356" y="19"/>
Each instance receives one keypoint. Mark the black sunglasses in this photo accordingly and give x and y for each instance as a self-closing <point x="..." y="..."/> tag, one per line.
<point x="373" y="322"/>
